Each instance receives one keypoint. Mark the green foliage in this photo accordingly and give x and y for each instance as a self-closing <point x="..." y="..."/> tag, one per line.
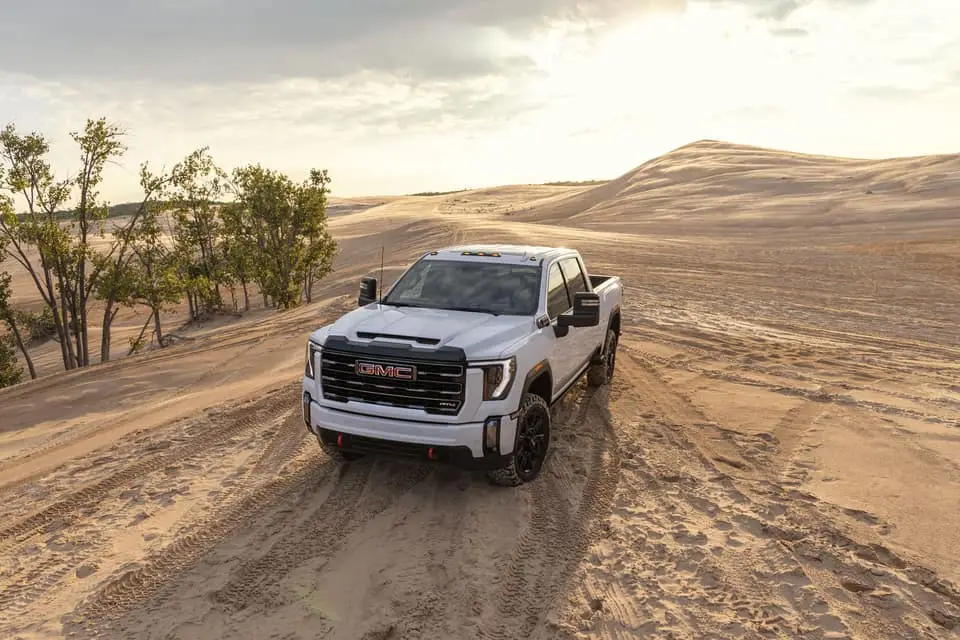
<point x="5" y="292"/>
<point x="195" y="188"/>
<point x="38" y="326"/>
<point x="11" y="372"/>
<point x="137" y="343"/>
<point x="279" y="230"/>
<point x="183" y="239"/>
<point x="153" y="278"/>
<point x="64" y="274"/>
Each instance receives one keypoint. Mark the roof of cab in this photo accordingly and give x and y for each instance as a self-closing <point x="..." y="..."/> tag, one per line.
<point x="511" y="252"/>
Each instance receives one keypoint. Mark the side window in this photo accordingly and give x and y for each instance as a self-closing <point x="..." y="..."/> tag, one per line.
<point x="557" y="299"/>
<point x="574" y="275"/>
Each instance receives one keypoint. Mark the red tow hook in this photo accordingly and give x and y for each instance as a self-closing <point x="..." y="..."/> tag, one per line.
<point x="431" y="454"/>
<point x="339" y="439"/>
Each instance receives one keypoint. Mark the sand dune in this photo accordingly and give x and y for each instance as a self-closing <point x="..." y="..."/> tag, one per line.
<point x="778" y="457"/>
<point x="709" y="188"/>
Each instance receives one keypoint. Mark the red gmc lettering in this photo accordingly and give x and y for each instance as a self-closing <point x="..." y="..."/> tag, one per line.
<point x="384" y="371"/>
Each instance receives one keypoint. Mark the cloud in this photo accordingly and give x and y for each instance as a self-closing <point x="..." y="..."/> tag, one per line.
<point x="780" y="10"/>
<point x="399" y="97"/>
<point x="790" y="32"/>
<point x="208" y="41"/>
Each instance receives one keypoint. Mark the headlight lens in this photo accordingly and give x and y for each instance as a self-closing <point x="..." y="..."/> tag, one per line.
<point x="498" y="378"/>
<point x="312" y="350"/>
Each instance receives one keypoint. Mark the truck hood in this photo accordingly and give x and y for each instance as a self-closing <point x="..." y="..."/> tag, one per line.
<point x="480" y="335"/>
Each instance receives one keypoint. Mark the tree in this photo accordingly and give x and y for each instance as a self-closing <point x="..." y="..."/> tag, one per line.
<point x="114" y="279"/>
<point x="320" y="248"/>
<point x="239" y="249"/>
<point x="153" y="277"/>
<point x="193" y="196"/>
<point x="99" y="143"/>
<point x="28" y="174"/>
<point x="67" y="271"/>
<point x="180" y="239"/>
<point x="282" y="227"/>
<point x="9" y="317"/>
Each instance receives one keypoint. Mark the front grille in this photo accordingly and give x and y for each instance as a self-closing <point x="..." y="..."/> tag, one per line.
<point x="437" y="389"/>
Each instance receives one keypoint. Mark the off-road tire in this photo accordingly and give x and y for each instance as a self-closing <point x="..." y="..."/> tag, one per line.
<point x="338" y="455"/>
<point x="601" y="374"/>
<point x="512" y="474"/>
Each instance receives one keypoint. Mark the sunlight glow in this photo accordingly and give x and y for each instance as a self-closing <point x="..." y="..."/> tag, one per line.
<point x="569" y="100"/>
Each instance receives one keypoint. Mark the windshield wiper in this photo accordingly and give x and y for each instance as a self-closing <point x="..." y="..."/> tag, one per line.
<point x="472" y="310"/>
<point x="441" y="308"/>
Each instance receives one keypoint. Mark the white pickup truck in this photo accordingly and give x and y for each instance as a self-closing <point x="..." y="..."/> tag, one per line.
<point x="461" y="359"/>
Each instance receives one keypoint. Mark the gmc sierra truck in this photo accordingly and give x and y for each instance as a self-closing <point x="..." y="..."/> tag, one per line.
<point x="461" y="359"/>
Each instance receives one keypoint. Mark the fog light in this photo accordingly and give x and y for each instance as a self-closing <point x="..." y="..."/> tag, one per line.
<point x="305" y="409"/>
<point x="491" y="434"/>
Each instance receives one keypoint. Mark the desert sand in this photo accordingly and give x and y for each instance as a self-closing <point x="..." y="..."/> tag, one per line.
<point x="778" y="455"/>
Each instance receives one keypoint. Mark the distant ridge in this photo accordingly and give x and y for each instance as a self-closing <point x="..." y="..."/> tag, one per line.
<point x="711" y="172"/>
<point x="745" y="156"/>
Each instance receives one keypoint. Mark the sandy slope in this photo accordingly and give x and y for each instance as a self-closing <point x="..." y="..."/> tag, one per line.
<point x="778" y="457"/>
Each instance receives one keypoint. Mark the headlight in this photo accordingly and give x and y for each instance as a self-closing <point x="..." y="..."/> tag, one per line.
<point x="312" y="350"/>
<point x="497" y="378"/>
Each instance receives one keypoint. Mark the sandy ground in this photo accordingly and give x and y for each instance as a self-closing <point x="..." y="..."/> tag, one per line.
<point x="777" y="457"/>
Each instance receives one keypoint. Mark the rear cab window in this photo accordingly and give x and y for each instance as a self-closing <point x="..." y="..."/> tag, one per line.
<point x="558" y="298"/>
<point x="573" y="274"/>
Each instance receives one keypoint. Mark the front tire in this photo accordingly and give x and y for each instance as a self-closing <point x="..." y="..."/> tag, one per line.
<point x="531" y="444"/>
<point x="601" y="374"/>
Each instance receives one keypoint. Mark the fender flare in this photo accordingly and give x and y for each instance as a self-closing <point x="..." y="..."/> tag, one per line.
<point x="535" y="372"/>
<point x="615" y="311"/>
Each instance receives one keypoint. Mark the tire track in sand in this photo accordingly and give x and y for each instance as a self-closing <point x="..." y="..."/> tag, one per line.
<point x="699" y="552"/>
<point x="96" y="616"/>
<point x="557" y="537"/>
<point x="40" y="580"/>
<point x="348" y="507"/>
<point x="65" y="510"/>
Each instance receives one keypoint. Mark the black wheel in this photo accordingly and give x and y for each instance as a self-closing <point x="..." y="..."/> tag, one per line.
<point x="601" y="374"/>
<point x="532" y="442"/>
<point x="339" y="455"/>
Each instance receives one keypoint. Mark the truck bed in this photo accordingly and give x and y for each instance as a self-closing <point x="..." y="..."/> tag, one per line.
<point x="598" y="281"/>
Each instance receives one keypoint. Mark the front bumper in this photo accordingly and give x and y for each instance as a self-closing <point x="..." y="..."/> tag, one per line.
<point x="460" y="445"/>
<point x="458" y="456"/>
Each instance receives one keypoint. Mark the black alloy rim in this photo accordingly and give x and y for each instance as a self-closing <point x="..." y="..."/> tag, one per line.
<point x="612" y="357"/>
<point x="531" y="443"/>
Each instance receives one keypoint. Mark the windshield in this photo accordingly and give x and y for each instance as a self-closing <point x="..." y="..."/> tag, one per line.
<point x="489" y="287"/>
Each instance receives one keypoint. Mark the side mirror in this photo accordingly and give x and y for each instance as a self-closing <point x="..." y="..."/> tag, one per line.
<point x="585" y="313"/>
<point x="368" y="292"/>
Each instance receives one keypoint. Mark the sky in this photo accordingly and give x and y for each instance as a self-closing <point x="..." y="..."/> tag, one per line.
<point x="400" y="96"/>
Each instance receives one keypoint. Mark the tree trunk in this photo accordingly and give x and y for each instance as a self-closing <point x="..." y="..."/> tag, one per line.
<point x="84" y="335"/>
<point x="246" y="295"/>
<point x="109" y="313"/>
<point x="69" y="328"/>
<point x="58" y="323"/>
<point x="23" y="347"/>
<point x="77" y="335"/>
<point x="143" y="330"/>
<point x="156" y="326"/>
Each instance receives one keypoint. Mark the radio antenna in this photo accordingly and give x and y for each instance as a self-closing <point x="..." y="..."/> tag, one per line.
<point x="380" y="301"/>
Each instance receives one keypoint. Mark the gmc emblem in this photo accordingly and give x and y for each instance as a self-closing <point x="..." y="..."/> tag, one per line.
<point x="398" y="372"/>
